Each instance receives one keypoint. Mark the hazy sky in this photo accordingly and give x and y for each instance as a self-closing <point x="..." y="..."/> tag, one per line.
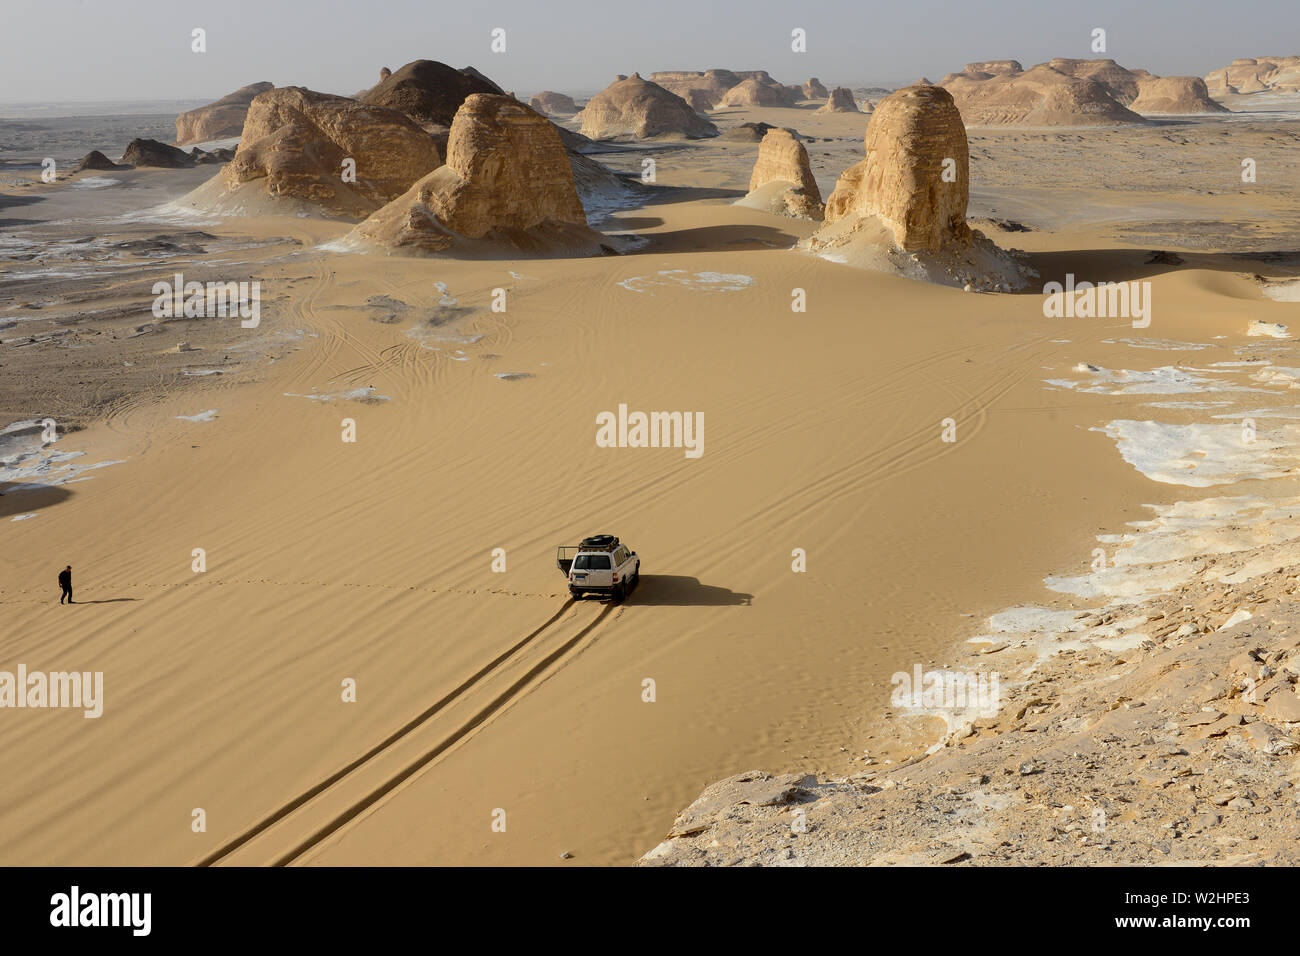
<point x="64" y="50"/>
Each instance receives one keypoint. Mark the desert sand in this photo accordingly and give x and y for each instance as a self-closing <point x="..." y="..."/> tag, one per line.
<point x="372" y="561"/>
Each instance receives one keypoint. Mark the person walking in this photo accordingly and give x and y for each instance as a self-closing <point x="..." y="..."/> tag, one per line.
<point x="65" y="584"/>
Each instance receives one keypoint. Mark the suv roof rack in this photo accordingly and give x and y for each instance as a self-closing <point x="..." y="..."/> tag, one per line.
<point x="600" y="542"/>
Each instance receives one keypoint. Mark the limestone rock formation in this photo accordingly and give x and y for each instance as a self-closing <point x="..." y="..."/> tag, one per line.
<point x="700" y="100"/>
<point x="507" y="181"/>
<point x="1174" y="95"/>
<point x="913" y="137"/>
<point x="903" y="207"/>
<point x="782" y="181"/>
<point x="813" y="90"/>
<point x="840" y="101"/>
<point x="753" y="92"/>
<point x="384" y="73"/>
<point x="220" y="120"/>
<point x="1039" y="96"/>
<point x="1120" y="82"/>
<point x="295" y="140"/>
<point x="994" y="67"/>
<point x="1279" y="74"/>
<point x="150" y="152"/>
<point x="97" y="160"/>
<point x="637" y="109"/>
<point x="428" y="92"/>
<point x="549" y="103"/>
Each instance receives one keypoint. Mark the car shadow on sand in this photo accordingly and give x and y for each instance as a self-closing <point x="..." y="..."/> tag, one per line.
<point x="678" y="590"/>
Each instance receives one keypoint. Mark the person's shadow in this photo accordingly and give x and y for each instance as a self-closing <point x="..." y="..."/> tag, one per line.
<point x="106" y="601"/>
<point x="679" y="590"/>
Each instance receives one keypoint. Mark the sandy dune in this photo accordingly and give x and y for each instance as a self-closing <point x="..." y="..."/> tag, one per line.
<point x="479" y="691"/>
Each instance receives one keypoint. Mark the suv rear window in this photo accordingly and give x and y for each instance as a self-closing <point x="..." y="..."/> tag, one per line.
<point x="592" y="562"/>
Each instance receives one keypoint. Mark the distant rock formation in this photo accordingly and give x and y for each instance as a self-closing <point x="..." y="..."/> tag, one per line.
<point x="97" y="160"/>
<point x="704" y="89"/>
<point x="507" y="181"/>
<point x="782" y="181"/>
<point x="903" y="207"/>
<point x="384" y="73"/>
<point x="637" y="109"/>
<point x="813" y="90"/>
<point x="747" y="132"/>
<point x="700" y="100"/>
<point x="1278" y="74"/>
<point x="296" y="140"/>
<point x="1174" y="95"/>
<point x="1120" y="82"/>
<point x="840" y="101"/>
<point x="753" y="92"/>
<point x="220" y="120"/>
<point x="1039" y="96"/>
<point x="429" y="92"/>
<point x="150" y="152"/>
<point x="550" y="103"/>
<point x="994" y="67"/>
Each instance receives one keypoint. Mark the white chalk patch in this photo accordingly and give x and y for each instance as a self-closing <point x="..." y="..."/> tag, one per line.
<point x="207" y="416"/>
<point x="1270" y="329"/>
<point x="1198" y="456"/>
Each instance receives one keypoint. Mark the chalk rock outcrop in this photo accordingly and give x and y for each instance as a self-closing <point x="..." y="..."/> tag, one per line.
<point x="1279" y="74"/>
<point x="994" y="67"/>
<point x="1040" y="96"/>
<point x="1120" y="82"/>
<point x="296" y="140"/>
<point x="97" y="160"/>
<point x="753" y="92"/>
<point x="634" y="108"/>
<point x="220" y="120"/>
<point x="150" y="152"/>
<point x="428" y="92"/>
<point x="550" y="103"/>
<point x="507" y="182"/>
<point x="903" y="207"/>
<point x="782" y="181"/>
<point x="814" y="90"/>
<point x="840" y="101"/>
<point x="1174" y="95"/>
<point x="914" y="137"/>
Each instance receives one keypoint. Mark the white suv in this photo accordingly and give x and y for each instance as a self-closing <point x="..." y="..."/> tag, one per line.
<point x="601" y="564"/>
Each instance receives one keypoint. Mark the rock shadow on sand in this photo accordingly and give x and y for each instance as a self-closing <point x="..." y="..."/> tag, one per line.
<point x="19" y="499"/>
<point x="679" y="590"/>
